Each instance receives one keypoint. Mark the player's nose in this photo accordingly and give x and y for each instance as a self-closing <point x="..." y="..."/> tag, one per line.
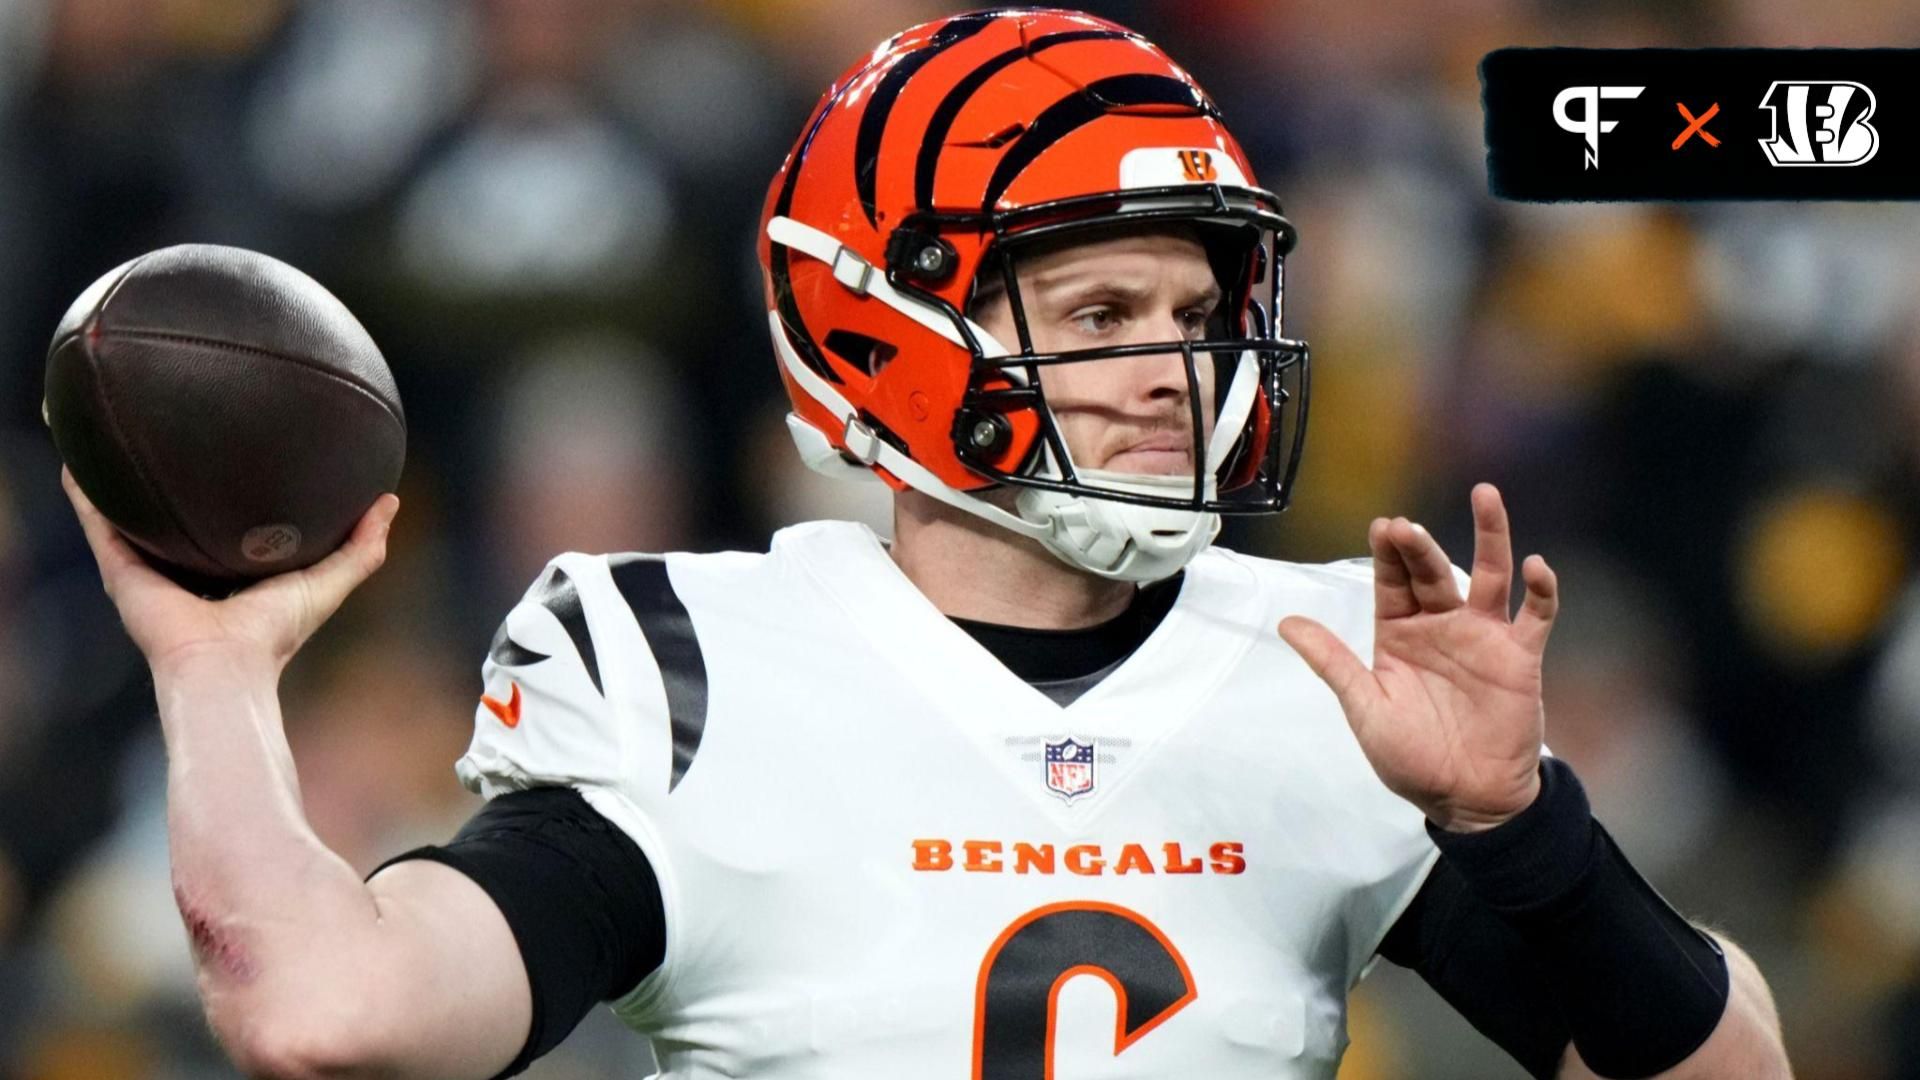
<point x="1160" y="376"/>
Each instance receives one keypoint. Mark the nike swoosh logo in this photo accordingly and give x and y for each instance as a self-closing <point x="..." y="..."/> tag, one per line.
<point x="509" y="710"/>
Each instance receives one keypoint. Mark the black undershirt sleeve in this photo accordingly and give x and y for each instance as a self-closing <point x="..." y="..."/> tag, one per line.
<point x="1479" y="964"/>
<point x="579" y="895"/>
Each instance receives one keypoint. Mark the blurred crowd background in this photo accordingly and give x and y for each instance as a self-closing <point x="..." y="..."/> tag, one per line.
<point x="1705" y="415"/>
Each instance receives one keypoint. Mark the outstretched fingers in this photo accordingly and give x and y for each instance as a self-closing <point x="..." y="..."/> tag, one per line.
<point x="1431" y="575"/>
<point x="1492" y="580"/>
<point x="1541" y="605"/>
<point x="1392" y="579"/>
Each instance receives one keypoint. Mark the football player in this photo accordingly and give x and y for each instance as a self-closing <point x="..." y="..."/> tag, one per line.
<point x="1048" y="786"/>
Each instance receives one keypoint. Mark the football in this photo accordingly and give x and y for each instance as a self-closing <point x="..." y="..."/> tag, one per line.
<point x="228" y="414"/>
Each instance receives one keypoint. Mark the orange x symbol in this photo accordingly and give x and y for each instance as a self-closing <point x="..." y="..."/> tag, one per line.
<point x="1697" y="125"/>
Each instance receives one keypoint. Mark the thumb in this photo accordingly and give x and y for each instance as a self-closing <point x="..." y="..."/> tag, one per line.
<point x="1330" y="659"/>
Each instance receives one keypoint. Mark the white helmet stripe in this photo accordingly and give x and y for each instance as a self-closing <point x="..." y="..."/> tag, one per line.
<point x="860" y="276"/>
<point x="880" y="452"/>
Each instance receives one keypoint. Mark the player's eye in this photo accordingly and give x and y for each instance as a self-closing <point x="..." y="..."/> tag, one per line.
<point x="1096" y="321"/>
<point x="1193" y="321"/>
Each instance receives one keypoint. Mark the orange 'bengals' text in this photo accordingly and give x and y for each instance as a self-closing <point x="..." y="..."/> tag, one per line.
<point x="1087" y="860"/>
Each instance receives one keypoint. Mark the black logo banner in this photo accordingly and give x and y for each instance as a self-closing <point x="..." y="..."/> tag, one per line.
<point x="1629" y="124"/>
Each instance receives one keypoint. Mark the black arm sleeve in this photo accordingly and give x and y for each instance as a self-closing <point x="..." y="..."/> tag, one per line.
<point x="1540" y="932"/>
<point x="580" y="897"/>
<point x="1640" y="987"/>
<point x="1482" y="967"/>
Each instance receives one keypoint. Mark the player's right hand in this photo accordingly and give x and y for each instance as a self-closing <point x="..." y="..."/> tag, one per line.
<point x="265" y="623"/>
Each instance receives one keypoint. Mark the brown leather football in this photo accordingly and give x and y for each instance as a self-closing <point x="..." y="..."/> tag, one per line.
<point x="228" y="414"/>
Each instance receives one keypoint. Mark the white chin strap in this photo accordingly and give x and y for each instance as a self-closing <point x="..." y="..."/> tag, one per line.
<point x="1120" y="540"/>
<point x="1114" y="540"/>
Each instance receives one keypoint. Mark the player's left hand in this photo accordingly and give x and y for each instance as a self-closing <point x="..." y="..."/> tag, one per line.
<point x="1450" y="713"/>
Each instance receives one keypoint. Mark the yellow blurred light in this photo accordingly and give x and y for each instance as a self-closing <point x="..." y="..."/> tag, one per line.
<point x="1595" y="293"/>
<point x="86" y="1053"/>
<point x="1373" y="1040"/>
<point x="1817" y="571"/>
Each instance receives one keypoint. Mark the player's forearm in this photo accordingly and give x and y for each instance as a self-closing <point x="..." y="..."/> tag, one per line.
<point x="1745" y="1045"/>
<point x="1642" y="990"/>
<point x="279" y="924"/>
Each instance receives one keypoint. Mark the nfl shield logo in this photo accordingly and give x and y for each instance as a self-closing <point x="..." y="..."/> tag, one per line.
<point x="1069" y="768"/>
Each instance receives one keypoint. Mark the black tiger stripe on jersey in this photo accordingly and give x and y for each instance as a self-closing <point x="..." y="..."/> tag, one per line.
<point x="506" y="652"/>
<point x="668" y="628"/>
<point x="557" y="593"/>
<point x="928" y="163"/>
<point x="1118" y="94"/>
<point x="873" y="122"/>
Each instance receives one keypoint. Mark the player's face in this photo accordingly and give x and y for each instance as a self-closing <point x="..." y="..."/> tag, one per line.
<point x="1130" y="414"/>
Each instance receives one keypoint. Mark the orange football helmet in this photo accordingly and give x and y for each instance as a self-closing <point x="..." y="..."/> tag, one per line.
<point x="930" y="166"/>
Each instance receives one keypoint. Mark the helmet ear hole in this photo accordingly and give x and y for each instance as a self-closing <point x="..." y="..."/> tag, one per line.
<point x="862" y="352"/>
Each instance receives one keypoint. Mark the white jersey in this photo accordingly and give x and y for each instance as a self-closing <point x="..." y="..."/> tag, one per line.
<point x="882" y="854"/>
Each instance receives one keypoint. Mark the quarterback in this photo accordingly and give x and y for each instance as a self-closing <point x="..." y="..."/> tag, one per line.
<point x="1046" y="786"/>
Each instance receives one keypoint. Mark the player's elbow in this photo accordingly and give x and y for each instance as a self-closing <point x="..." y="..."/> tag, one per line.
<point x="301" y="1045"/>
<point x="276" y="1056"/>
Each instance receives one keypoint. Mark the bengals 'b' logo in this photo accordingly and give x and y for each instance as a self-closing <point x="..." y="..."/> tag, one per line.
<point x="1197" y="165"/>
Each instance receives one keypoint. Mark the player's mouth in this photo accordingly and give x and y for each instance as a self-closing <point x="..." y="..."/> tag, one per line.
<point x="1163" y="454"/>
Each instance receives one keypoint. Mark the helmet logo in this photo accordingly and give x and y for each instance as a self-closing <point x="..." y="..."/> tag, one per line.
<point x="1197" y="166"/>
<point x="1171" y="166"/>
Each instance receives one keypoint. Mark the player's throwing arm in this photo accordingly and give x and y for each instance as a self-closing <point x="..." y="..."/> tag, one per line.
<point x="234" y="420"/>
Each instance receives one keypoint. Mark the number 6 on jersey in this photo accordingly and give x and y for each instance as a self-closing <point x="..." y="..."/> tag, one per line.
<point x="1020" y="980"/>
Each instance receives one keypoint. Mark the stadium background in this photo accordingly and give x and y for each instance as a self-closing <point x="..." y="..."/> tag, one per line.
<point x="543" y="210"/>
